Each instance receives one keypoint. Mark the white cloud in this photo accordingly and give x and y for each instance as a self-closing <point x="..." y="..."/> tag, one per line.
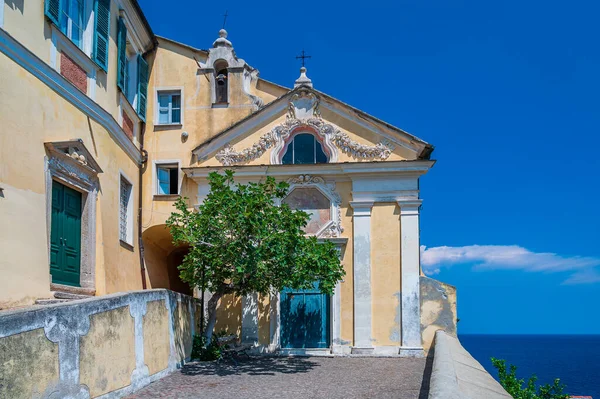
<point x="496" y="257"/>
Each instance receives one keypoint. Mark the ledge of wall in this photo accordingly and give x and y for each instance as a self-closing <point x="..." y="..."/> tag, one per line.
<point x="103" y="347"/>
<point x="457" y="375"/>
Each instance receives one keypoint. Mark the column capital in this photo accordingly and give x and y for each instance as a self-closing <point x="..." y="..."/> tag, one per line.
<point x="409" y="206"/>
<point x="362" y="208"/>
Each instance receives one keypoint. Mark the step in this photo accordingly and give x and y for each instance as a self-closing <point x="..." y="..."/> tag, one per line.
<point x="50" y="301"/>
<point x="69" y="296"/>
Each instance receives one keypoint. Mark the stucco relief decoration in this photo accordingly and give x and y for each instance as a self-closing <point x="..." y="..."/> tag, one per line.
<point x="303" y="113"/>
<point x="319" y="199"/>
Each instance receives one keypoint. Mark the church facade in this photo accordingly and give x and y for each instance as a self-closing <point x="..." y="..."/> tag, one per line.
<point x="106" y="124"/>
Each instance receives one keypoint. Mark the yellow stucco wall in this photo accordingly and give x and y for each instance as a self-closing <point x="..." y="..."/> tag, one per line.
<point x="107" y="352"/>
<point x="347" y="286"/>
<point x="31" y="115"/>
<point x="229" y="315"/>
<point x="26" y="22"/>
<point x="31" y="378"/>
<point x="156" y="336"/>
<point x="385" y="274"/>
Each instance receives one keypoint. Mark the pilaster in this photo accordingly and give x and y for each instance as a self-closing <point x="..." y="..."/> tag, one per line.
<point x="411" y="344"/>
<point x="362" y="276"/>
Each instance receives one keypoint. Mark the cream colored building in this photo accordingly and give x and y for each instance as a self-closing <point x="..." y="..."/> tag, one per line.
<point x="104" y="125"/>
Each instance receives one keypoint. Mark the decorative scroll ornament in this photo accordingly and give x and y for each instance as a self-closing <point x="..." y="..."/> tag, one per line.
<point x="331" y="136"/>
<point x="334" y="228"/>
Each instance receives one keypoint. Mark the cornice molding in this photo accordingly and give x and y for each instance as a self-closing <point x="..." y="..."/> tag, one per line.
<point x="54" y="80"/>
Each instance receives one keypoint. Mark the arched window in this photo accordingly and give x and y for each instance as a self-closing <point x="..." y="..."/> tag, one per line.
<point x="304" y="149"/>
<point x="221" y="85"/>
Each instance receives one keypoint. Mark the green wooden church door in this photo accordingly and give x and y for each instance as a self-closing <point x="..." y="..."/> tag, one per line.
<point x="65" y="235"/>
<point x="304" y="318"/>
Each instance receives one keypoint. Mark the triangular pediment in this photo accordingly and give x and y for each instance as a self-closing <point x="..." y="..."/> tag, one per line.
<point x="75" y="152"/>
<point x="350" y="134"/>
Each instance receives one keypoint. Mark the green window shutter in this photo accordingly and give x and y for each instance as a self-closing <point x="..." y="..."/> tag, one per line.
<point x="142" y="85"/>
<point x="102" y="33"/>
<point x="52" y="10"/>
<point x="122" y="60"/>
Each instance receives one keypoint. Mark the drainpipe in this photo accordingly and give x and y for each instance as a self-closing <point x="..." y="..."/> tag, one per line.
<point x="140" y="201"/>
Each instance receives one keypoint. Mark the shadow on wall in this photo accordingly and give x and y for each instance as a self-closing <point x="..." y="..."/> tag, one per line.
<point x="183" y="333"/>
<point x="229" y="315"/>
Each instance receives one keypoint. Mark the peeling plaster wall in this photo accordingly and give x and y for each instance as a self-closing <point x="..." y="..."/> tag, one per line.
<point x="103" y="347"/>
<point x="438" y="309"/>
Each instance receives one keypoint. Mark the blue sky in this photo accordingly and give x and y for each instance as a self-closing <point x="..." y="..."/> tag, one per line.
<point x="508" y="92"/>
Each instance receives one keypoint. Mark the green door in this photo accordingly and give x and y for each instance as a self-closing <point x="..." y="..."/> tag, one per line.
<point x="65" y="235"/>
<point x="304" y="318"/>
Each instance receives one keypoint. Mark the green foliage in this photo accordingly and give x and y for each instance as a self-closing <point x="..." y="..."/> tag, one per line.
<point x="213" y="351"/>
<point x="242" y="240"/>
<point x="518" y="389"/>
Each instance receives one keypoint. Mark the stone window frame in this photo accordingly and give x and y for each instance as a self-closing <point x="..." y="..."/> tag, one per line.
<point x="82" y="176"/>
<point x="170" y="90"/>
<point x="171" y="162"/>
<point x="333" y="228"/>
<point x="128" y="243"/>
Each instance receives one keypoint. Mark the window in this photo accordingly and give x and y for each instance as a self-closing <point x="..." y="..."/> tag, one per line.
<point x="74" y="19"/>
<point x="168" y="179"/>
<point x="304" y="149"/>
<point x="71" y="21"/>
<point x="132" y="70"/>
<point x="169" y="108"/>
<point x="126" y="212"/>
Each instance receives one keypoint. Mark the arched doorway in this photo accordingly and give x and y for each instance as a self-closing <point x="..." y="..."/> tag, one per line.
<point x="162" y="259"/>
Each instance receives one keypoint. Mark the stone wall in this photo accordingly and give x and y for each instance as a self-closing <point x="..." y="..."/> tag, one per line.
<point x="457" y="375"/>
<point x="105" y="347"/>
<point x="438" y="309"/>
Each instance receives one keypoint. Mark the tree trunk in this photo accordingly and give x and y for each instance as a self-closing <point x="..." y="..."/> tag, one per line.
<point x="212" y="315"/>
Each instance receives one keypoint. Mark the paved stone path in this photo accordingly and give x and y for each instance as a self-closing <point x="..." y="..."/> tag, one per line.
<point x="296" y="377"/>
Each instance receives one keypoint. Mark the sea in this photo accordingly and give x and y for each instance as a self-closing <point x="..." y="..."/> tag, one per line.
<point x="575" y="359"/>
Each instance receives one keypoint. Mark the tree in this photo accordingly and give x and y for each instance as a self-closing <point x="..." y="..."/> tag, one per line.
<point x="514" y="386"/>
<point x="242" y="240"/>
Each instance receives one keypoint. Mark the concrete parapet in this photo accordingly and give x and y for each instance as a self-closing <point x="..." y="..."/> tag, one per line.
<point x="105" y="347"/>
<point x="457" y="375"/>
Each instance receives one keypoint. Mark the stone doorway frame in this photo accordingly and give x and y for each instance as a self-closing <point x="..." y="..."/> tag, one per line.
<point x="71" y="164"/>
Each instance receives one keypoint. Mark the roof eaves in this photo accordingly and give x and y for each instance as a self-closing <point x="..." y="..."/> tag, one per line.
<point x="138" y="8"/>
<point x="375" y="119"/>
<point x="182" y="44"/>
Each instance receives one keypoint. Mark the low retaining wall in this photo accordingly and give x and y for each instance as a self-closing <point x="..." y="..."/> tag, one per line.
<point x="457" y="375"/>
<point x="104" y="347"/>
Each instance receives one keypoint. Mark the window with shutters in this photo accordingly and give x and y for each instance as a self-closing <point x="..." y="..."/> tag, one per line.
<point x="126" y="212"/>
<point x="72" y="20"/>
<point x="168" y="107"/>
<point x="127" y="64"/>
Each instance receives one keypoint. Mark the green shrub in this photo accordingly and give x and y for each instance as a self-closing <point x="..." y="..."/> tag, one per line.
<point x="518" y="389"/>
<point x="213" y="351"/>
